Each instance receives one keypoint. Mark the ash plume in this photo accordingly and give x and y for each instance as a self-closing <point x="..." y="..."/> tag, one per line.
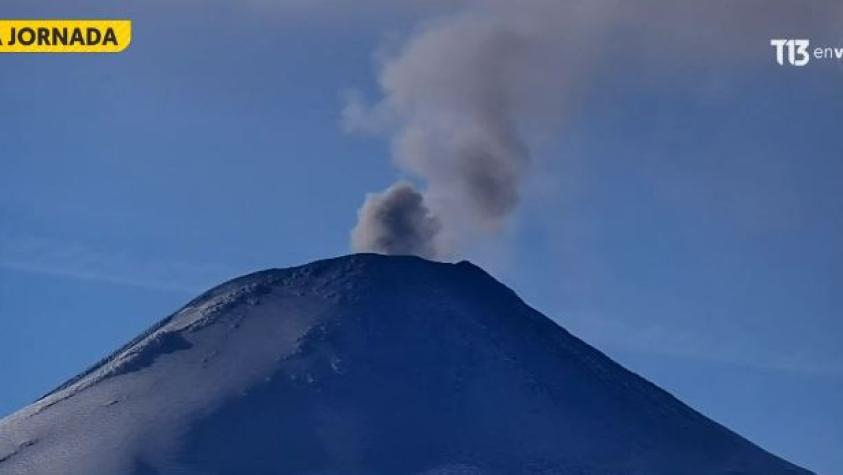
<point x="452" y="92"/>
<point x="396" y="221"/>
<point x="459" y="95"/>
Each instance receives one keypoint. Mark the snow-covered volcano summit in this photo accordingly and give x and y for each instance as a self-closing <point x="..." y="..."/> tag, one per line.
<point x="367" y="365"/>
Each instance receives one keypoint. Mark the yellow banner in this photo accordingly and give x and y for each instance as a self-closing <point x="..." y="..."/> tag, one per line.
<point x="64" y="36"/>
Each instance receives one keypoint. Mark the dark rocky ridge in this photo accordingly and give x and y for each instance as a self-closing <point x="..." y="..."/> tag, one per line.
<point x="366" y="364"/>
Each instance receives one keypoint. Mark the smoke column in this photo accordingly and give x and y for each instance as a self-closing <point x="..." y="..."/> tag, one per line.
<point x="396" y="221"/>
<point x="453" y="91"/>
<point x="459" y="94"/>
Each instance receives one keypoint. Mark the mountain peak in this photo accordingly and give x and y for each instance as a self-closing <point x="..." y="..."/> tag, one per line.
<point x="366" y="364"/>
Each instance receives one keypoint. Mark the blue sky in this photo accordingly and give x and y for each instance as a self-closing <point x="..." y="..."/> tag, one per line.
<point x="687" y="221"/>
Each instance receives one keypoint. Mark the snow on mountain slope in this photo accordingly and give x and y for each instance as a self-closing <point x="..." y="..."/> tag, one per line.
<point x="366" y="364"/>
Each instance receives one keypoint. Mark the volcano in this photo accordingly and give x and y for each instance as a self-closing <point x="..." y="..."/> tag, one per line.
<point x="366" y="364"/>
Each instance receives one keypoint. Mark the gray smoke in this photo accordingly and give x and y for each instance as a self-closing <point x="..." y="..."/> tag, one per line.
<point x="451" y="90"/>
<point x="461" y="92"/>
<point x="396" y="222"/>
